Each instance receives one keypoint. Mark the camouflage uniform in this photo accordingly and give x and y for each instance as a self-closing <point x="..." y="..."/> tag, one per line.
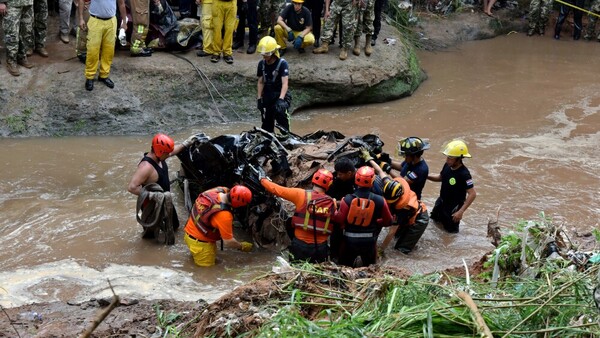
<point x="268" y="10"/>
<point x="18" y="29"/>
<point x="539" y="10"/>
<point x="81" y="49"/>
<point x="40" y="24"/>
<point x="591" y="27"/>
<point x="366" y="16"/>
<point x="345" y="12"/>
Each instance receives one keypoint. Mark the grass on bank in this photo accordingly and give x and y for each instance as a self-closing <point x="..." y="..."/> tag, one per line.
<point x="534" y="296"/>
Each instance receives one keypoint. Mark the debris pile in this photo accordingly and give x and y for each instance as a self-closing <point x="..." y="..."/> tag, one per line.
<point x="289" y="160"/>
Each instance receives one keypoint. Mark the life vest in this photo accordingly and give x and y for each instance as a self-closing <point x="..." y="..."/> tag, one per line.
<point x="407" y="207"/>
<point x="361" y="214"/>
<point x="315" y="214"/>
<point x="206" y="205"/>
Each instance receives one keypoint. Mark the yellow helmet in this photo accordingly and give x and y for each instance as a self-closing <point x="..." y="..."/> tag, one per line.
<point x="267" y="46"/>
<point x="298" y="1"/>
<point x="456" y="148"/>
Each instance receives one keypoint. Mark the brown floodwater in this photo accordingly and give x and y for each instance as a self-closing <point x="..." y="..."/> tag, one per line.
<point x="527" y="107"/>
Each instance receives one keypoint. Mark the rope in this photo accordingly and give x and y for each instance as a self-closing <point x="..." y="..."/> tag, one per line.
<point x="579" y="8"/>
<point x="206" y="81"/>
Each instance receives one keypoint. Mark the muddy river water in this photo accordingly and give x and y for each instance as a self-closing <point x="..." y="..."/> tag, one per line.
<point x="529" y="108"/>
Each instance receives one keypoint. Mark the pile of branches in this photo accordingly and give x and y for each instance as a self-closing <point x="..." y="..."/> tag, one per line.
<point x="561" y="299"/>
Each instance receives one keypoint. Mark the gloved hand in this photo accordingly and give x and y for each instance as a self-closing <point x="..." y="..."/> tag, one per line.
<point x="290" y="36"/>
<point x="298" y="42"/>
<point x="189" y="141"/>
<point x="365" y="155"/>
<point x="281" y="106"/>
<point x="244" y="8"/>
<point x="259" y="104"/>
<point x="386" y="167"/>
<point x="246" y="246"/>
<point x="384" y="157"/>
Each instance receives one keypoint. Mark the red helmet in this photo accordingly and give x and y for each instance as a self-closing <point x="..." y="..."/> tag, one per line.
<point x="162" y="144"/>
<point x="240" y="196"/>
<point x="323" y="178"/>
<point x="364" y="177"/>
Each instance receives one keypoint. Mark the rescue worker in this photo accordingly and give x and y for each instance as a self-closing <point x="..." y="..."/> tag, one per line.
<point x="414" y="168"/>
<point x="362" y="215"/>
<point x="410" y="214"/>
<point x="312" y="220"/>
<point x="294" y="24"/>
<point x="211" y="220"/>
<point x="223" y="20"/>
<point x="457" y="191"/>
<point x="154" y="169"/>
<point x="140" y="16"/>
<point x="207" y="28"/>
<point x="273" y="99"/>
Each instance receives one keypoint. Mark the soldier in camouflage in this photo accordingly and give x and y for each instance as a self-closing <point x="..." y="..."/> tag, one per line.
<point x="366" y="16"/>
<point x="40" y="28"/>
<point x="591" y="27"/>
<point x="17" y="25"/>
<point x="344" y="11"/>
<point x="268" y="10"/>
<point x="539" y="10"/>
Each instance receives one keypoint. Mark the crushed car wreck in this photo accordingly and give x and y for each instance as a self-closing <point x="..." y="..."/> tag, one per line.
<point x="291" y="161"/>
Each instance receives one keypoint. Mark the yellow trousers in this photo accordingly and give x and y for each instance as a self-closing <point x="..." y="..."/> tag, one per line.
<point x="207" y="27"/>
<point x="100" y="46"/>
<point x="204" y="254"/>
<point x="281" y="37"/>
<point x="224" y="13"/>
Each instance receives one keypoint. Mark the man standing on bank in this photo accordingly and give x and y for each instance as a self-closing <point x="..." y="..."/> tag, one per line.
<point x="273" y="100"/>
<point x="102" y="31"/>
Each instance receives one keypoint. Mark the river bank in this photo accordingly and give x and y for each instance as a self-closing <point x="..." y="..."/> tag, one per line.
<point x="171" y="92"/>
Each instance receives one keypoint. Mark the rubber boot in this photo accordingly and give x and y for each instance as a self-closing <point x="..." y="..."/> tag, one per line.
<point x="344" y="54"/>
<point x="356" y="50"/>
<point x="323" y="49"/>
<point x="368" y="47"/>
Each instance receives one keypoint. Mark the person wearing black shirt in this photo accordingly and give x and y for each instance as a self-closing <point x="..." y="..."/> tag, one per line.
<point x="294" y="24"/>
<point x="457" y="191"/>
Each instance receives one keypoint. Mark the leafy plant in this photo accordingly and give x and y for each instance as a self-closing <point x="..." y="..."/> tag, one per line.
<point x="165" y="321"/>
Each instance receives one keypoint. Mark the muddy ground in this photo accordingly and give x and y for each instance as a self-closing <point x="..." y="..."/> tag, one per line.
<point x="142" y="318"/>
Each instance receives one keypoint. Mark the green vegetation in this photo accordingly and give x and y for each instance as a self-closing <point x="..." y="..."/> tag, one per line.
<point x="539" y="292"/>
<point x="18" y="123"/>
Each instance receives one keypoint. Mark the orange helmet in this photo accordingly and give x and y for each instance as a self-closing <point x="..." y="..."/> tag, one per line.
<point x="162" y="144"/>
<point x="240" y="196"/>
<point x="323" y="178"/>
<point x="364" y="177"/>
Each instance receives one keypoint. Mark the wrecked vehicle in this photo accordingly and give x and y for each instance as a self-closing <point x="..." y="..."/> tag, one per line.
<point x="289" y="160"/>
